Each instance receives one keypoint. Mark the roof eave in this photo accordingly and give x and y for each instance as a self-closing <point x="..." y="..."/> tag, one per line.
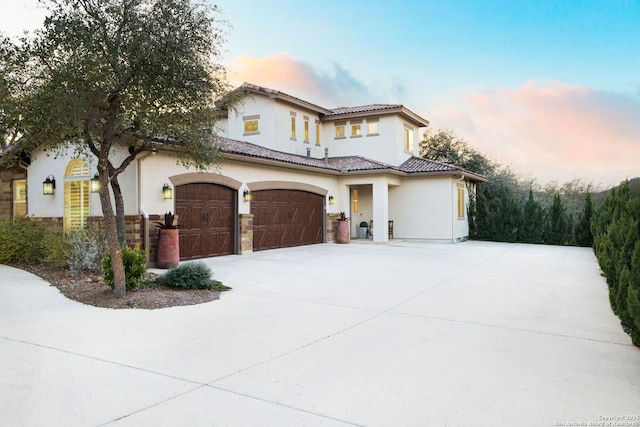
<point x="402" y="111"/>
<point x="460" y="173"/>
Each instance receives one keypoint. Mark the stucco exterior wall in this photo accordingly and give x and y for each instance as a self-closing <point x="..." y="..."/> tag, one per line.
<point x="275" y="126"/>
<point x="157" y="169"/>
<point x="44" y="164"/>
<point x="460" y="225"/>
<point x="386" y="147"/>
<point x="423" y="209"/>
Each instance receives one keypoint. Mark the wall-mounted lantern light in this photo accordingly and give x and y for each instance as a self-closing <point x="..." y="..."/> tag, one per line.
<point x="332" y="200"/>
<point x="49" y="186"/>
<point x="167" y="192"/>
<point x="246" y="196"/>
<point x="94" y="184"/>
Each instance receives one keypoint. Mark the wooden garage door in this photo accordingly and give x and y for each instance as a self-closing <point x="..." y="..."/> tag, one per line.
<point x="283" y="218"/>
<point x="206" y="214"/>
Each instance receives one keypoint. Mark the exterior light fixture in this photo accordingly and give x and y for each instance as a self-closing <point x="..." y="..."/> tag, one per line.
<point x="94" y="184"/>
<point x="49" y="186"/>
<point x="332" y="200"/>
<point x="246" y="196"/>
<point x="167" y="192"/>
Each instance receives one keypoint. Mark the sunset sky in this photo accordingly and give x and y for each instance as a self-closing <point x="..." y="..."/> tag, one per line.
<point x="551" y="88"/>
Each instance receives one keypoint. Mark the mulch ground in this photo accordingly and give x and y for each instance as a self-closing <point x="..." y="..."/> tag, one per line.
<point x="91" y="289"/>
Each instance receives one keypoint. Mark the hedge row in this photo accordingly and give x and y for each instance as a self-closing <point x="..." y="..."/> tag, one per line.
<point x="616" y="233"/>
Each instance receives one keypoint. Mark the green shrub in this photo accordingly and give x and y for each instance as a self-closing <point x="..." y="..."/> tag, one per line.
<point x="85" y="249"/>
<point x="194" y="275"/>
<point x="21" y="241"/>
<point x="134" y="268"/>
<point x="57" y="247"/>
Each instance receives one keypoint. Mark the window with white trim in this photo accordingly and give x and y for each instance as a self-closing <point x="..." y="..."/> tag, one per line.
<point x="408" y="138"/>
<point x="306" y="129"/>
<point x="356" y="128"/>
<point x="251" y="125"/>
<point x="340" y="130"/>
<point x="372" y="127"/>
<point x="293" y="125"/>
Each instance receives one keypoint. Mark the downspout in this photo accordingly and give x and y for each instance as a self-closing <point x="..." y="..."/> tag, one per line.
<point x="141" y="209"/>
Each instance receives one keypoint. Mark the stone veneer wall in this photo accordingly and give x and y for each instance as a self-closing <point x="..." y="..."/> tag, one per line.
<point x="134" y="229"/>
<point x="332" y="227"/>
<point x="246" y="234"/>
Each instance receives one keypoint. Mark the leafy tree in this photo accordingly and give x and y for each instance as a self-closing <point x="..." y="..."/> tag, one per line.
<point x="445" y="146"/>
<point x="106" y="75"/>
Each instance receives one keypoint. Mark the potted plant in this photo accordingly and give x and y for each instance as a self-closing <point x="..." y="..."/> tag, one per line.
<point x="168" y="242"/>
<point x="343" y="229"/>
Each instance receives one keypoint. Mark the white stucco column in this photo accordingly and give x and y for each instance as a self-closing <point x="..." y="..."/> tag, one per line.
<point x="380" y="210"/>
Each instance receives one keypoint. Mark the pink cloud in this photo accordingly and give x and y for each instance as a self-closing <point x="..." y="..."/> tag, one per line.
<point x="551" y="131"/>
<point x="288" y="74"/>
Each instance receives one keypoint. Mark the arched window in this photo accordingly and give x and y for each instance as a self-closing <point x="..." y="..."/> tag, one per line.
<point x="76" y="195"/>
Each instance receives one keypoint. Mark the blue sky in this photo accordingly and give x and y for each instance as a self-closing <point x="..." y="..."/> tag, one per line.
<point x="551" y="88"/>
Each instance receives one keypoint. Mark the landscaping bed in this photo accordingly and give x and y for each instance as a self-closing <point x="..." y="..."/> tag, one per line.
<point x="90" y="289"/>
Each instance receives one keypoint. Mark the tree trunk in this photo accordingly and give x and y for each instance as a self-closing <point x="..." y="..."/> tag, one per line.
<point x="110" y="226"/>
<point x="117" y="194"/>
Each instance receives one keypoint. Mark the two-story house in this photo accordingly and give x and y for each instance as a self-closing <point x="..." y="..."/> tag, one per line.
<point x="289" y="168"/>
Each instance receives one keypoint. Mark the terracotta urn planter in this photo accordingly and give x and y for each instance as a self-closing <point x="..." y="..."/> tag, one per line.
<point x="168" y="255"/>
<point x="168" y="248"/>
<point x="344" y="232"/>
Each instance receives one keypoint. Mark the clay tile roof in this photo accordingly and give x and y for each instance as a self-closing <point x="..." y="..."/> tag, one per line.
<point x="232" y="146"/>
<point x="421" y="165"/>
<point x="340" y="164"/>
<point x="357" y="163"/>
<point x="417" y="164"/>
<point x="363" y="109"/>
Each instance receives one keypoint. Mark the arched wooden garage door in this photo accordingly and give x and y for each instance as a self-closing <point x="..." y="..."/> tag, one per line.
<point x="283" y="218"/>
<point x="206" y="214"/>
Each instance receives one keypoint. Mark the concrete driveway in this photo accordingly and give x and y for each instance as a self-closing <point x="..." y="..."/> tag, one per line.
<point x="402" y="334"/>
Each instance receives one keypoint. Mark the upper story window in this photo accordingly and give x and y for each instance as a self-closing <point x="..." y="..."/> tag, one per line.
<point x="372" y="127"/>
<point x="408" y="138"/>
<point x="306" y="129"/>
<point x="340" y="130"/>
<point x="293" y="125"/>
<point x="356" y="129"/>
<point x="317" y="132"/>
<point x="251" y="126"/>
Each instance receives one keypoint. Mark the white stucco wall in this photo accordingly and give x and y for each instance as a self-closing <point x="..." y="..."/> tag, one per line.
<point x="253" y="106"/>
<point x="423" y="209"/>
<point x="460" y="225"/>
<point x="275" y="126"/>
<point x="157" y="169"/>
<point x="44" y="164"/>
<point x="275" y="132"/>
<point x="386" y="147"/>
